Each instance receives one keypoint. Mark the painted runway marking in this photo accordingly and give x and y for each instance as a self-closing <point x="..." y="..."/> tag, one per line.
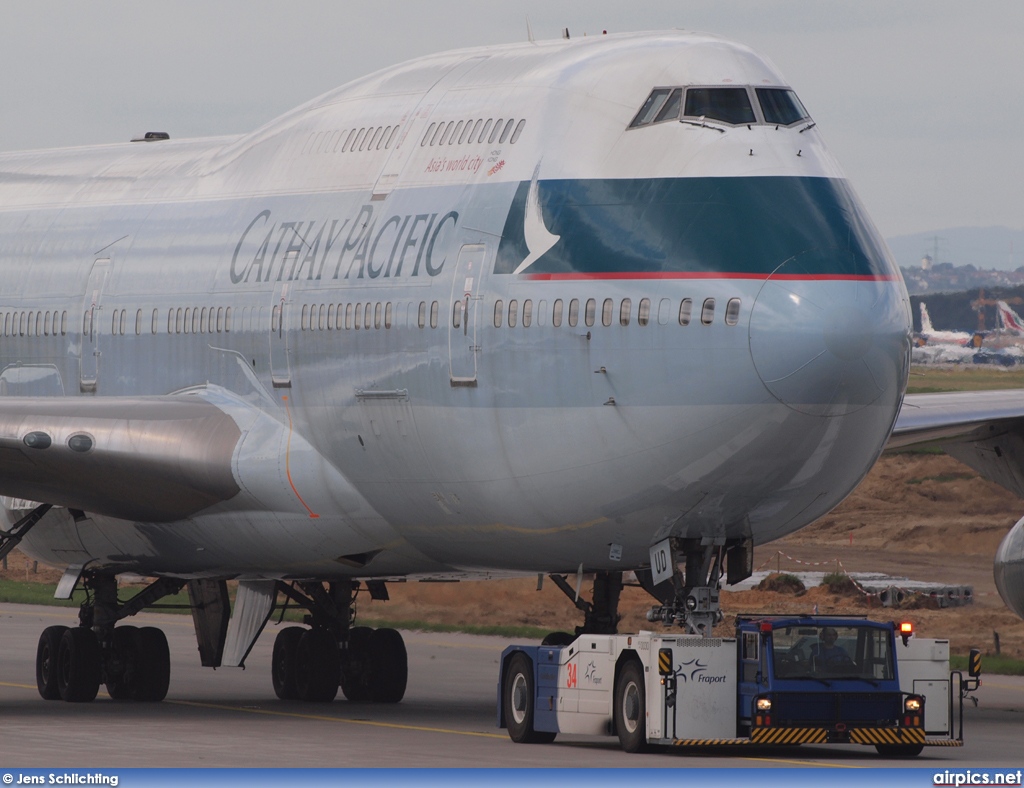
<point x="326" y="718"/>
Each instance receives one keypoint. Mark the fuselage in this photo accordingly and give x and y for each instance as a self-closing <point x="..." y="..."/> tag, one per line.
<point x="507" y="321"/>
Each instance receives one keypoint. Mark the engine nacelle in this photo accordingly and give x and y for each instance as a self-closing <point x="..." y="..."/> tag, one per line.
<point x="1009" y="568"/>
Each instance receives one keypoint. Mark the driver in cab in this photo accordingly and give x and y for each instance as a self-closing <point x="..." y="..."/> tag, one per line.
<point x="827" y="652"/>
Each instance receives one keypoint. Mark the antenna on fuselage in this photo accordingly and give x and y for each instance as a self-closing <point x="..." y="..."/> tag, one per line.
<point x="529" y="30"/>
<point x="565" y="33"/>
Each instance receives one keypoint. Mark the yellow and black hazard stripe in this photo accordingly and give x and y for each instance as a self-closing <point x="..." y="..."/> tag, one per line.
<point x="788" y="736"/>
<point x="943" y="743"/>
<point x="887" y="735"/>
<point x="709" y="742"/>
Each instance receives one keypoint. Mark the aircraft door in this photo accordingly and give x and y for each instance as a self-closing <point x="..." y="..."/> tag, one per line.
<point x="91" y="325"/>
<point x="280" y="369"/>
<point x="465" y="315"/>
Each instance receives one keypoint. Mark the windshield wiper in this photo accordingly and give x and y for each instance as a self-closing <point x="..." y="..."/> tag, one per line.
<point x="808" y="127"/>
<point x="701" y="124"/>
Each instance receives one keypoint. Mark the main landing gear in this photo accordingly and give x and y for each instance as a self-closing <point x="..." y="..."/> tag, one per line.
<point x="133" y="662"/>
<point x="309" y="663"/>
<point x="369" y="665"/>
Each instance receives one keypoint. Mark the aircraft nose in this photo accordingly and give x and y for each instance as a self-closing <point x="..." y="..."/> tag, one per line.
<point x="829" y="346"/>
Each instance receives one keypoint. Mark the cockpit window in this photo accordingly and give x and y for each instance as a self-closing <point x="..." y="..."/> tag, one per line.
<point x="649" y="110"/>
<point x="670" y="110"/>
<point x="780" y="106"/>
<point x="729" y="105"/>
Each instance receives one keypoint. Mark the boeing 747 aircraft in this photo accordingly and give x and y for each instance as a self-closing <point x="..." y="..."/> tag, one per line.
<point x="559" y="307"/>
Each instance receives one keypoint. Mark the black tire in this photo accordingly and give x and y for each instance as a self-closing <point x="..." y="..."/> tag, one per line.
<point x="357" y="666"/>
<point x="899" y="750"/>
<point x="78" y="659"/>
<point x="154" y="674"/>
<point x="630" y="707"/>
<point x="282" y="666"/>
<point x="557" y="639"/>
<point x="390" y="661"/>
<point x="519" y="700"/>
<point x="123" y="665"/>
<point x="317" y="666"/>
<point x="46" y="662"/>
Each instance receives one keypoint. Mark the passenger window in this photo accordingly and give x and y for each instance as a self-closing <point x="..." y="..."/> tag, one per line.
<point x="664" y="306"/>
<point x="487" y="127"/>
<point x="462" y="136"/>
<point x="378" y="138"/>
<point x="391" y="137"/>
<point x="707" y="312"/>
<point x="348" y="316"/>
<point x="556" y="314"/>
<point x="494" y="133"/>
<point x="517" y="132"/>
<point x="421" y="316"/>
<point x="476" y="128"/>
<point x="527" y="313"/>
<point x="178" y="321"/>
<point x="457" y="314"/>
<point x="433" y="315"/>
<point x="348" y="139"/>
<point x="455" y="134"/>
<point x="46" y="325"/>
<point x="305" y="317"/>
<point x="625" y="308"/>
<point x="591" y="311"/>
<point x="437" y="132"/>
<point x="650" y="109"/>
<point x="574" y="312"/>
<point x="506" y="132"/>
<point x="542" y="314"/>
<point x="387" y="315"/>
<point x="330" y="317"/>
<point x="499" y="308"/>
<point x="685" y="308"/>
<point x="643" y="315"/>
<point x="321" y="321"/>
<point x="367" y="319"/>
<point x="606" y="312"/>
<point x="359" y="317"/>
<point x="138" y="322"/>
<point x="63" y="323"/>
<point x="780" y="106"/>
<point x="513" y="310"/>
<point x="729" y="105"/>
<point x="227" y="319"/>
<point x="195" y="321"/>
<point x="376" y="315"/>
<point x="732" y="312"/>
<point x="122" y="324"/>
<point x="39" y="323"/>
<point x="447" y="131"/>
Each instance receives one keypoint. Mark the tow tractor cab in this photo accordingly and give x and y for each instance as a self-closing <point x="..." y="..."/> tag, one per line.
<point x="781" y="680"/>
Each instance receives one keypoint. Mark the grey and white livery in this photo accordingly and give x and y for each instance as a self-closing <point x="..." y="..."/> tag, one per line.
<point x="529" y="308"/>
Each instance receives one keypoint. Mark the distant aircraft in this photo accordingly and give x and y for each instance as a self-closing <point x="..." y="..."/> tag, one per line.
<point x="1009" y="321"/>
<point x="932" y="336"/>
<point x="565" y="307"/>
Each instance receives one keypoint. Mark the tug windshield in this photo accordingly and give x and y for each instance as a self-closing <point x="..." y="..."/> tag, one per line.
<point x="827" y="651"/>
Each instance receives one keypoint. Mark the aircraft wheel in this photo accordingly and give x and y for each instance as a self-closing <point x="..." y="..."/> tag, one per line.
<point x="154" y="675"/>
<point x="390" y="666"/>
<point x="46" y="662"/>
<point x="78" y="665"/>
<point x="356" y="667"/>
<point x="123" y="674"/>
<point x="630" y="707"/>
<point x="899" y="750"/>
<point x="519" y="702"/>
<point x="317" y="666"/>
<point x="282" y="666"/>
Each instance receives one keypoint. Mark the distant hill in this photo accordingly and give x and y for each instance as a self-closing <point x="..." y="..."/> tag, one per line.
<point x="982" y="247"/>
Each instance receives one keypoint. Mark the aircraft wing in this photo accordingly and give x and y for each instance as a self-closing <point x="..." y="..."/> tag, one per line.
<point x="982" y="429"/>
<point x="154" y="459"/>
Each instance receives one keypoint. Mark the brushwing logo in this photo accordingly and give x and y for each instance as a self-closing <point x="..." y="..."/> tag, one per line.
<point x="526" y="238"/>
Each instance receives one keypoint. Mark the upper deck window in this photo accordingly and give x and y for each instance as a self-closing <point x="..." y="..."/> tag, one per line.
<point x="780" y="106"/>
<point x="729" y="105"/>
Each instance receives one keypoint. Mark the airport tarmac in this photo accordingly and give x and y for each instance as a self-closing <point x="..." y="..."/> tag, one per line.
<point x="231" y="717"/>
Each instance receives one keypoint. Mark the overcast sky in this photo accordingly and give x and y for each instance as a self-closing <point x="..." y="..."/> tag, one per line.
<point x="922" y="101"/>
